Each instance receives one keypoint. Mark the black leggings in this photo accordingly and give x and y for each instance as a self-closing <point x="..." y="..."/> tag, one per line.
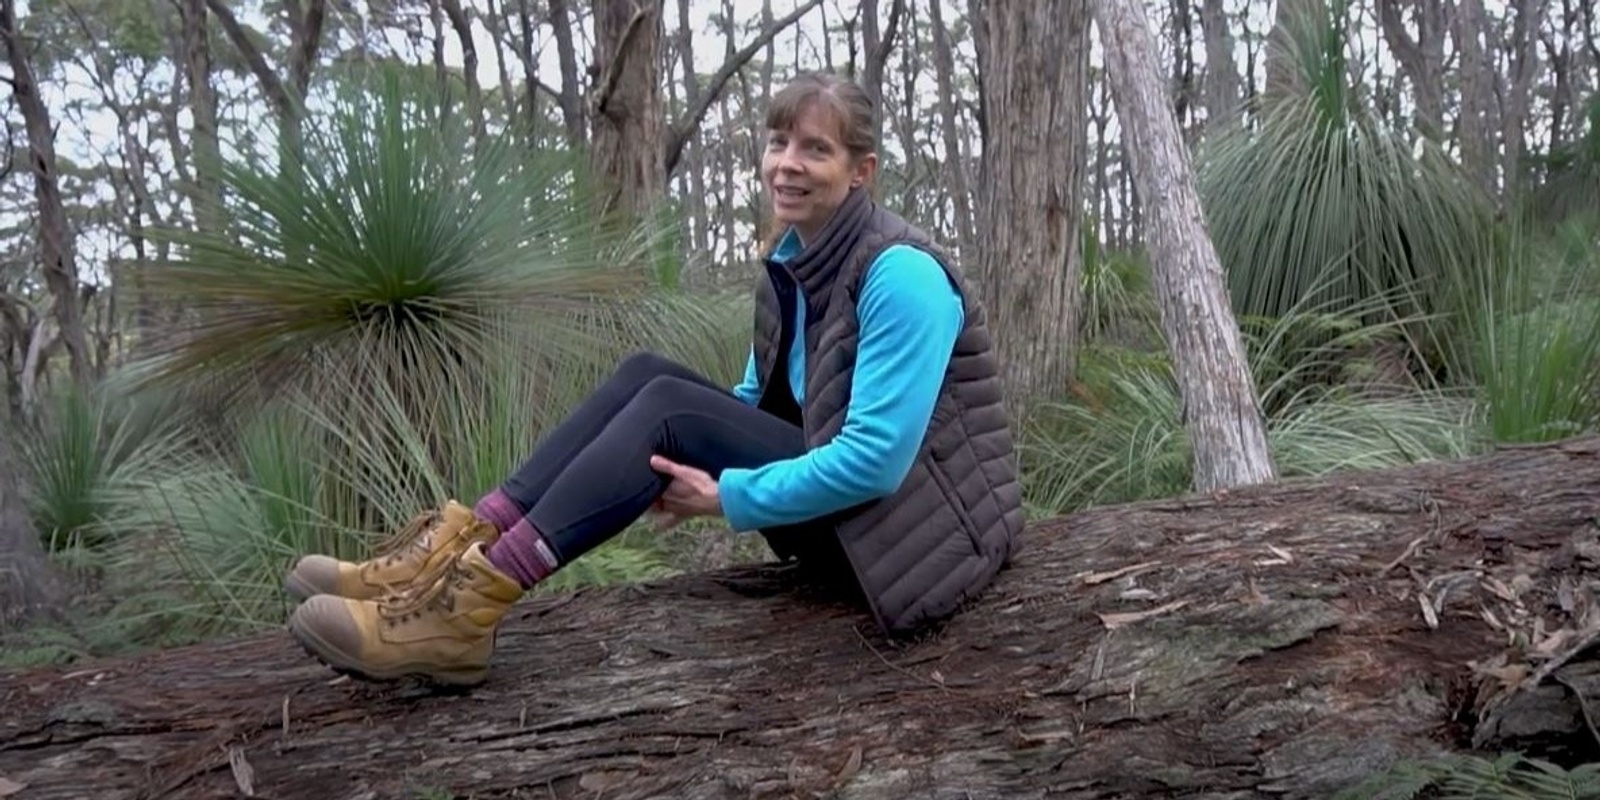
<point x="590" y="478"/>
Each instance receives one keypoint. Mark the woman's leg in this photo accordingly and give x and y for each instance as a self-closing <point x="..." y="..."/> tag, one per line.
<point x="607" y="484"/>
<point x="506" y="506"/>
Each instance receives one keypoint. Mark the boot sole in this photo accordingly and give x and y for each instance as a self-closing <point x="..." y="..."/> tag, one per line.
<point x="298" y="590"/>
<point x="334" y="659"/>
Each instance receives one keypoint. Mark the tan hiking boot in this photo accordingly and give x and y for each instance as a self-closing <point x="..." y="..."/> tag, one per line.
<point x="431" y="539"/>
<point x="443" y="632"/>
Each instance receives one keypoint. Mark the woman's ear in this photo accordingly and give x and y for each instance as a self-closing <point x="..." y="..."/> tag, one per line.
<point x="866" y="168"/>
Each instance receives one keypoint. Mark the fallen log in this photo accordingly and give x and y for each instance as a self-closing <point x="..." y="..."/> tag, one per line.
<point x="1280" y="641"/>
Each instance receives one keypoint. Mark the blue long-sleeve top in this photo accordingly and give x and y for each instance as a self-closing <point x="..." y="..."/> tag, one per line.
<point x="909" y="316"/>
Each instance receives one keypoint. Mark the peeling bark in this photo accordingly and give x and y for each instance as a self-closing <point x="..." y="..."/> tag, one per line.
<point x="1264" y="643"/>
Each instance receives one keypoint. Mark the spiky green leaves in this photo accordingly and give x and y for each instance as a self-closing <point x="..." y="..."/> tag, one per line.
<point x="393" y="246"/>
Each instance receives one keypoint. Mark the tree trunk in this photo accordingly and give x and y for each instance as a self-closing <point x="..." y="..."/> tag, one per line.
<point x="876" y="45"/>
<point x="206" y="193"/>
<point x="1222" y="75"/>
<point x="955" y="152"/>
<point x="56" y="240"/>
<point x="1475" y="125"/>
<point x="562" y="26"/>
<point x="1222" y="414"/>
<point x="625" y="104"/>
<point x="1035" y="89"/>
<point x="1524" y="66"/>
<point x="29" y="585"/>
<point x="1278" y="642"/>
<point x="1421" y="59"/>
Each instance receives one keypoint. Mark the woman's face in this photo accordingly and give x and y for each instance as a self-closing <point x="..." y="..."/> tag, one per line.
<point x="809" y="172"/>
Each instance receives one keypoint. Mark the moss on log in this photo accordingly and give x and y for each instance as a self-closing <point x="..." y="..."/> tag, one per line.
<point x="1281" y="641"/>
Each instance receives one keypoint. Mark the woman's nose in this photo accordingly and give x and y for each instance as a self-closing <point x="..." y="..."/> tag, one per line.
<point x="789" y="159"/>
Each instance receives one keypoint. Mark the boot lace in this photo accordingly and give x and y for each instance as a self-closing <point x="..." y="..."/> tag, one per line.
<point x="435" y="590"/>
<point x="413" y="535"/>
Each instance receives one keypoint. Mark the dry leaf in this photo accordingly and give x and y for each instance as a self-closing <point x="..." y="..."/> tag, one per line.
<point x="1428" y="614"/>
<point x="1101" y="577"/>
<point x="1489" y="617"/>
<point x="1548" y="646"/>
<point x="852" y="765"/>
<point x="1500" y="590"/>
<point x="937" y="677"/>
<point x="1510" y="676"/>
<point x="243" y="774"/>
<point x="1114" y="621"/>
<point x="1281" y="553"/>
<point x="10" y="787"/>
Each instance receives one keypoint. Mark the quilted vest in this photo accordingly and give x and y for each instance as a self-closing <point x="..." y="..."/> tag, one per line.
<point x="939" y="540"/>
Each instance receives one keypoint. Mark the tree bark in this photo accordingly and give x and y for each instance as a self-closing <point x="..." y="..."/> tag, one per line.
<point x="1222" y="414"/>
<point x="205" y="194"/>
<point x="1265" y="643"/>
<point x="625" y="105"/>
<point x="562" y="26"/>
<point x="1524" y="67"/>
<point x="1035" y="89"/>
<point x="1421" y="58"/>
<point x="1222" y="74"/>
<point x="56" y="239"/>
<point x="1475" y="124"/>
<point x="955" y="152"/>
<point x="876" y="44"/>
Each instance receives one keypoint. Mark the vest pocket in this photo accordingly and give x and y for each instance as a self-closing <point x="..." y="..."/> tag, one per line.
<point x="952" y="500"/>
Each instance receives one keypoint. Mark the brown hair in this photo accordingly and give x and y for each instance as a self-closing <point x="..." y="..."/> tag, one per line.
<point x="848" y="102"/>
<point x="852" y="110"/>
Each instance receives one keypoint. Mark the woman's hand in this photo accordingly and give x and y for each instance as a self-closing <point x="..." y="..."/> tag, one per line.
<point x="691" y="493"/>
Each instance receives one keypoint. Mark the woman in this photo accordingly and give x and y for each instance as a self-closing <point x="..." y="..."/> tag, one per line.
<point x="868" y="439"/>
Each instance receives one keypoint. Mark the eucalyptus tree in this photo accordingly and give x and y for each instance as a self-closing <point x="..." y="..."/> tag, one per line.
<point x="1034" y="71"/>
<point x="57" y="244"/>
<point x="1221" y="413"/>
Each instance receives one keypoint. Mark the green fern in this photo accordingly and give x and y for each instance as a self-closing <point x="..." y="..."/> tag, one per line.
<point x="1510" y="776"/>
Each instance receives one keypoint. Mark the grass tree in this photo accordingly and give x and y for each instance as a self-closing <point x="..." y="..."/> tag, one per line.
<point x="395" y="322"/>
<point x="1324" y="202"/>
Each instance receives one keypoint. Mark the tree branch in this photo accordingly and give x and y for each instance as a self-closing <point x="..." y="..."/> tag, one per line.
<point x="880" y="56"/>
<point x="685" y="129"/>
<point x="547" y="89"/>
<point x="271" y="86"/>
<point x="306" y="56"/>
<point x="613" y="71"/>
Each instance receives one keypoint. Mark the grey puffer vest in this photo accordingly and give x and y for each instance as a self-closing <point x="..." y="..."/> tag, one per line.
<point x="940" y="539"/>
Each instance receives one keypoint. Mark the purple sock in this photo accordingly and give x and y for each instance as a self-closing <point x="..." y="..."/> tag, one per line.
<point x="499" y="509"/>
<point x="522" y="553"/>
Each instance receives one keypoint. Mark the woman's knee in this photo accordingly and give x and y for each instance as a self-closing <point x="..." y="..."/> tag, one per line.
<point x="665" y="394"/>
<point x="645" y="364"/>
